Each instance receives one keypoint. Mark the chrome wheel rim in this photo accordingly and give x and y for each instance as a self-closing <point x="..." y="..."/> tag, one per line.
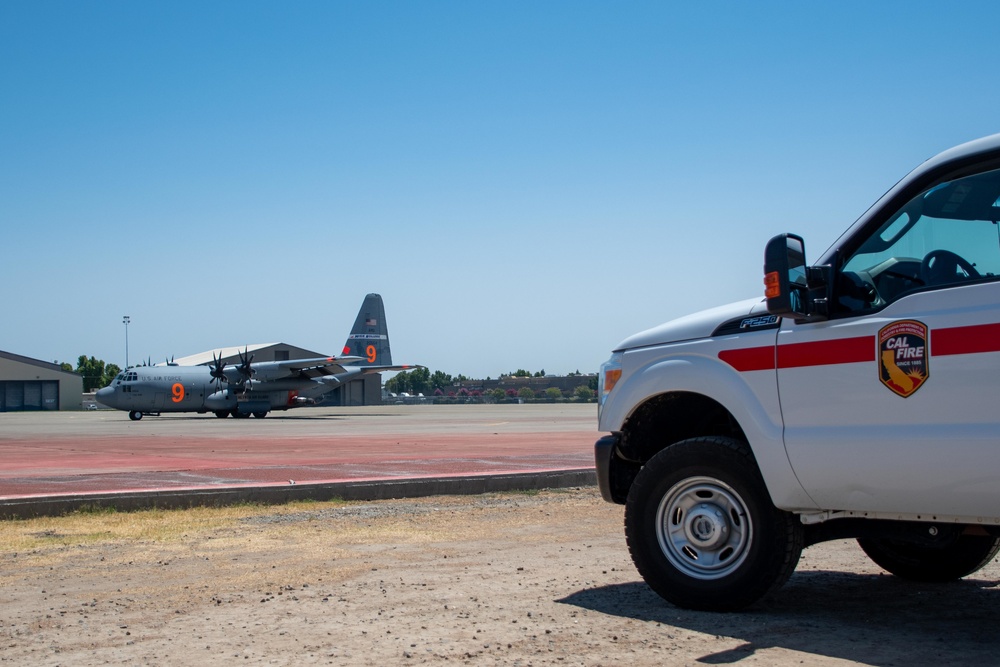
<point x="703" y="528"/>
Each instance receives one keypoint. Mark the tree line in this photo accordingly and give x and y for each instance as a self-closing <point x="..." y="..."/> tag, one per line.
<point x="96" y="373"/>
<point x="422" y="381"/>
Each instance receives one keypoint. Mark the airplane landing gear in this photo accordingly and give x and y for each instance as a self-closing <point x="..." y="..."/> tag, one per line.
<point x="135" y="415"/>
<point x="222" y="414"/>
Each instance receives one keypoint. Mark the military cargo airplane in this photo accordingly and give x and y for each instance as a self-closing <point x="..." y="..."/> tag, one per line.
<point x="247" y="388"/>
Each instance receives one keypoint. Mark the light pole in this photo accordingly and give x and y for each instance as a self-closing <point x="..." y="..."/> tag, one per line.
<point x="125" y="321"/>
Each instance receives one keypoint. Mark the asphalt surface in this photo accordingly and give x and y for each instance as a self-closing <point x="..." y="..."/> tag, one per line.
<point x="54" y="462"/>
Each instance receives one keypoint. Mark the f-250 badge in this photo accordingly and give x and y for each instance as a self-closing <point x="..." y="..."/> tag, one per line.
<point x="902" y="356"/>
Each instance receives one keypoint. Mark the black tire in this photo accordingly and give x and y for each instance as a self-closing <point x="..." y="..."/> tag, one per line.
<point x="222" y="414"/>
<point x="917" y="562"/>
<point x="702" y="530"/>
<point x="260" y="415"/>
<point x="135" y="415"/>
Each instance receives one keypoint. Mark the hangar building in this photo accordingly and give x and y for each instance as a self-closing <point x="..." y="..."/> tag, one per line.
<point x="30" y="384"/>
<point x="365" y="390"/>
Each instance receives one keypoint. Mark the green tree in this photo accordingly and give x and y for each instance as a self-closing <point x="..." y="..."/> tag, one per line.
<point x="111" y="371"/>
<point x="553" y="393"/>
<point x="420" y="381"/>
<point x="540" y="374"/>
<point x="521" y="373"/>
<point x="95" y="374"/>
<point x="64" y="366"/>
<point x="497" y="394"/>
<point x="399" y="383"/>
<point x="440" y="380"/>
<point x="584" y="393"/>
<point x="525" y="392"/>
<point x="417" y="381"/>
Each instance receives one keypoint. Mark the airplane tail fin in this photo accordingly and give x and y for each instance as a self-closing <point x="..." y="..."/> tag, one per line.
<point x="369" y="338"/>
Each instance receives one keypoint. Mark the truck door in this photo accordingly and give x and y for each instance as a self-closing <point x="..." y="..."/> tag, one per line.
<point x="891" y="405"/>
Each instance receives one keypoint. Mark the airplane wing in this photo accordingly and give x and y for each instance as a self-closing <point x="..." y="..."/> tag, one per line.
<point x="367" y="370"/>
<point x="275" y="370"/>
<point x="311" y="368"/>
<point x="298" y="365"/>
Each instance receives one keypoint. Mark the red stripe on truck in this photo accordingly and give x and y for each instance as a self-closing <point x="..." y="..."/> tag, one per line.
<point x="860" y="349"/>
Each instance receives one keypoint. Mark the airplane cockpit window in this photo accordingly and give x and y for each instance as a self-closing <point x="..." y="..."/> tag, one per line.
<point x="946" y="236"/>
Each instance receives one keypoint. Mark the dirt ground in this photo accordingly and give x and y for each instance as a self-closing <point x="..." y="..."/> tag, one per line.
<point x="508" y="579"/>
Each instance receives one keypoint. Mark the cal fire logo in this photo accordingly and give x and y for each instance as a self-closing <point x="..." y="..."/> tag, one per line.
<point x="902" y="355"/>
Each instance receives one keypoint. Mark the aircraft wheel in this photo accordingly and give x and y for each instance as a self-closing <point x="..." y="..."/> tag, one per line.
<point x="240" y="415"/>
<point x="135" y="415"/>
<point x="222" y="414"/>
<point x="260" y="415"/>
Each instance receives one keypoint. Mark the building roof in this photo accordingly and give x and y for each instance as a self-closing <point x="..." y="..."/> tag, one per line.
<point x="34" y="362"/>
<point x="203" y="358"/>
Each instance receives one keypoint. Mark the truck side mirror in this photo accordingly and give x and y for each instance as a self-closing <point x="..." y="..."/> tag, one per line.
<point x="785" y="284"/>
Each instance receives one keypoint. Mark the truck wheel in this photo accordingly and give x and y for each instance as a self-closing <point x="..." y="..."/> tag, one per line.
<point x="917" y="562"/>
<point x="701" y="528"/>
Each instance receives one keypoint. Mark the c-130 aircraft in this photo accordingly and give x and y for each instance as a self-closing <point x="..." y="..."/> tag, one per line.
<point x="254" y="389"/>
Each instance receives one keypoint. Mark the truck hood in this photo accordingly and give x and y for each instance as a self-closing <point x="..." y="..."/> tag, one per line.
<point x="694" y="326"/>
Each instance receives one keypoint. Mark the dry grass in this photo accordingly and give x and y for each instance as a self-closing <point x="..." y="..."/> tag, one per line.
<point x="159" y="526"/>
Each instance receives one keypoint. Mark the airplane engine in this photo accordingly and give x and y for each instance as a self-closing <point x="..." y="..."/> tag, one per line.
<point x="221" y="400"/>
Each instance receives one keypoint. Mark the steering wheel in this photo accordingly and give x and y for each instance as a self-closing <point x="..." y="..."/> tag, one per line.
<point x="940" y="267"/>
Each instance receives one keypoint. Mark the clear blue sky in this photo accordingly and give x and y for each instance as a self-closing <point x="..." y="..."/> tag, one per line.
<point x="525" y="183"/>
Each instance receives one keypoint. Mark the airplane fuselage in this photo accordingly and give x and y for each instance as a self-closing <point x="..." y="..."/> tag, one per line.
<point x="250" y="388"/>
<point x="157" y="389"/>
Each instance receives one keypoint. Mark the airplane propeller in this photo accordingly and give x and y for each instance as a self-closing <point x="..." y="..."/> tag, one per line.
<point x="246" y="371"/>
<point x="218" y="370"/>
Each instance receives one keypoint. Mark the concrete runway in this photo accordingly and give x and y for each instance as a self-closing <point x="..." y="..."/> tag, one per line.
<point x="57" y="461"/>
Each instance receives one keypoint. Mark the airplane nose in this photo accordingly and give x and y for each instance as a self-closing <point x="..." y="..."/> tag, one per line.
<point x="106" y="396"/>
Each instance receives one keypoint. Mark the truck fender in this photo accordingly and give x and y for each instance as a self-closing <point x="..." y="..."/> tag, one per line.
<point x="751" y="398"/>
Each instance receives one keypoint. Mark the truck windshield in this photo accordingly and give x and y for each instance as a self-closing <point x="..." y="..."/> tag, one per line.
<point x="944" y="236"/>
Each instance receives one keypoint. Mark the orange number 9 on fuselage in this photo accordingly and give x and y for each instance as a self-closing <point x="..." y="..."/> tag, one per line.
<point x="370" y="351"/>
<point x="178" y="392"/>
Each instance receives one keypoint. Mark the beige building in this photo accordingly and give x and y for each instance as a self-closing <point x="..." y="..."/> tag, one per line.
<point x="30" y="384"/>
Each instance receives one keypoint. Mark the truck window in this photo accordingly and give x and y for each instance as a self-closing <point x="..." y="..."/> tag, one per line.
<point x="945" y="236"/>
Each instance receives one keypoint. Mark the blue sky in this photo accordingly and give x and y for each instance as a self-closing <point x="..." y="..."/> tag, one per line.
<point x="525" y="183"/>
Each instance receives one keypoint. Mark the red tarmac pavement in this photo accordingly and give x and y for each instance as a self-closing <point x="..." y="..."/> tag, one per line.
<point x="102" y="452"/>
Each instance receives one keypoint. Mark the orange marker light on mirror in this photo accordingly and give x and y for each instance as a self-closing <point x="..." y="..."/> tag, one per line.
<point x="772" y="285"/>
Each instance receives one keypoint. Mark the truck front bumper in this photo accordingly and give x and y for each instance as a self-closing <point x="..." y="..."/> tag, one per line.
<point x="604" y="451"/>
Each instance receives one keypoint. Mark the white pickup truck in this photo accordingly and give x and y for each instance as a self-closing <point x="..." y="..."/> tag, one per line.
<point x="859" y="399"/>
